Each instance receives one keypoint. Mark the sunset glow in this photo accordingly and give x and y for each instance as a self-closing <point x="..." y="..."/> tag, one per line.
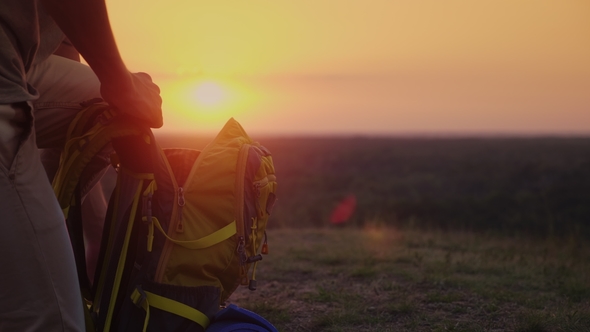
<point x="209" y="94"/>
<point x="205" y="104"/>
<point x="365" y="67"/>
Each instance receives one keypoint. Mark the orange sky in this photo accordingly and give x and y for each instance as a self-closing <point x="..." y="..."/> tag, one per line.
<point x="364" y="66"/>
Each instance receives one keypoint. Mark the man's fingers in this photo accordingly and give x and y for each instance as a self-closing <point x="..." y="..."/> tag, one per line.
<point x="139" y="98"/>
<point x="147" y="80"/>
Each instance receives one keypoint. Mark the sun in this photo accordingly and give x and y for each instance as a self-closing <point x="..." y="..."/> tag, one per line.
<point x="209" y="94"/>
<point x="211" y="101"/>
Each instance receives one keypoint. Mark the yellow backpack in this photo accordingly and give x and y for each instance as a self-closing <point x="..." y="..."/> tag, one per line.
<point x="184" y="228"/>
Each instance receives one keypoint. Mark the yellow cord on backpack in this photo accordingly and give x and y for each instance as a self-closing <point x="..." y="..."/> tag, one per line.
<point x="149" y="190"/>
<point x="136" y="298"/>
<point x="204" y="242"/>
<point x="122" y="257"/>
<point x="254" y="227"/>
<point x="150" y="236"/>
<point x="141" y="177"/>
<point x="254" y="271"/>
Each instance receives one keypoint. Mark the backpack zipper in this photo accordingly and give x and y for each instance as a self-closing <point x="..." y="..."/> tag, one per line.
<point x="181" y="202"/>
<point x="241" y="174"/>
<point x="241" y="234"/>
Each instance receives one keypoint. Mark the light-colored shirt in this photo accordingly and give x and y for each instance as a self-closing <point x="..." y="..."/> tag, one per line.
<point x="28" y="35"/>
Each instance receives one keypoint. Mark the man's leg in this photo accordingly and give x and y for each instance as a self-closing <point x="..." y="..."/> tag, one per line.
<point x="38" y="282"/>
<point x="63" y="84"/>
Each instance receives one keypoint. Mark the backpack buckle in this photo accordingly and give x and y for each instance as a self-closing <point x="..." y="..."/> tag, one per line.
<point x="138" y="297"/>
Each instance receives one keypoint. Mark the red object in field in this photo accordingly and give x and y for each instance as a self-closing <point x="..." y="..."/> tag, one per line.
<point x="344" y="210"/>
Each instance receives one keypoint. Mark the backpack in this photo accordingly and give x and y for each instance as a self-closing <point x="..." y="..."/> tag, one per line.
<point x="184" y="228"/>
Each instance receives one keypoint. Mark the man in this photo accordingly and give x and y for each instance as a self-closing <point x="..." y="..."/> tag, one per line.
<point x="39" y="95"/>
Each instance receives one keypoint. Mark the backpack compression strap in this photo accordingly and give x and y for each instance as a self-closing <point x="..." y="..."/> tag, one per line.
<point x="146" y="300"/>
<point x="204" y="242"/>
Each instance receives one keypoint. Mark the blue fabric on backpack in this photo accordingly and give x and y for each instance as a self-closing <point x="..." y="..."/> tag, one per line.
<point x="236" y="319"/>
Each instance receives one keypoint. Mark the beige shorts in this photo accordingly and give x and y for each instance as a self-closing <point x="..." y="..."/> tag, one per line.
<point x="38" y="283"/>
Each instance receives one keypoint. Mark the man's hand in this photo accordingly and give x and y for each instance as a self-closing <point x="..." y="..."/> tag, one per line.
<point x="138" y="97"/>
<point x="86" y="24"/>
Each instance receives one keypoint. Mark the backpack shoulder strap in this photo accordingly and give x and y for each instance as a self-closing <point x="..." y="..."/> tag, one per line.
<point x="91" y="130"/>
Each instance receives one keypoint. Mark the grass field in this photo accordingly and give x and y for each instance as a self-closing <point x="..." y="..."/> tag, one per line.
<point x="382" y="279"/>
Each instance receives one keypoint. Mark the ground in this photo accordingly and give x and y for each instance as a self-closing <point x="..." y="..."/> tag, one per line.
<point x="383" y="279"/>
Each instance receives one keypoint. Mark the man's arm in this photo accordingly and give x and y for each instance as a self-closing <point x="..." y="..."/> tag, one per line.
<point x="86" y="24"/>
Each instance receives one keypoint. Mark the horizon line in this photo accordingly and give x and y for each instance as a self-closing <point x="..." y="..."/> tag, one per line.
<point x="405" y="135"/>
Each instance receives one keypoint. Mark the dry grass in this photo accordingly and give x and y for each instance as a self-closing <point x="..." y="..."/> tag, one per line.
<point x="381" y="279"/>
